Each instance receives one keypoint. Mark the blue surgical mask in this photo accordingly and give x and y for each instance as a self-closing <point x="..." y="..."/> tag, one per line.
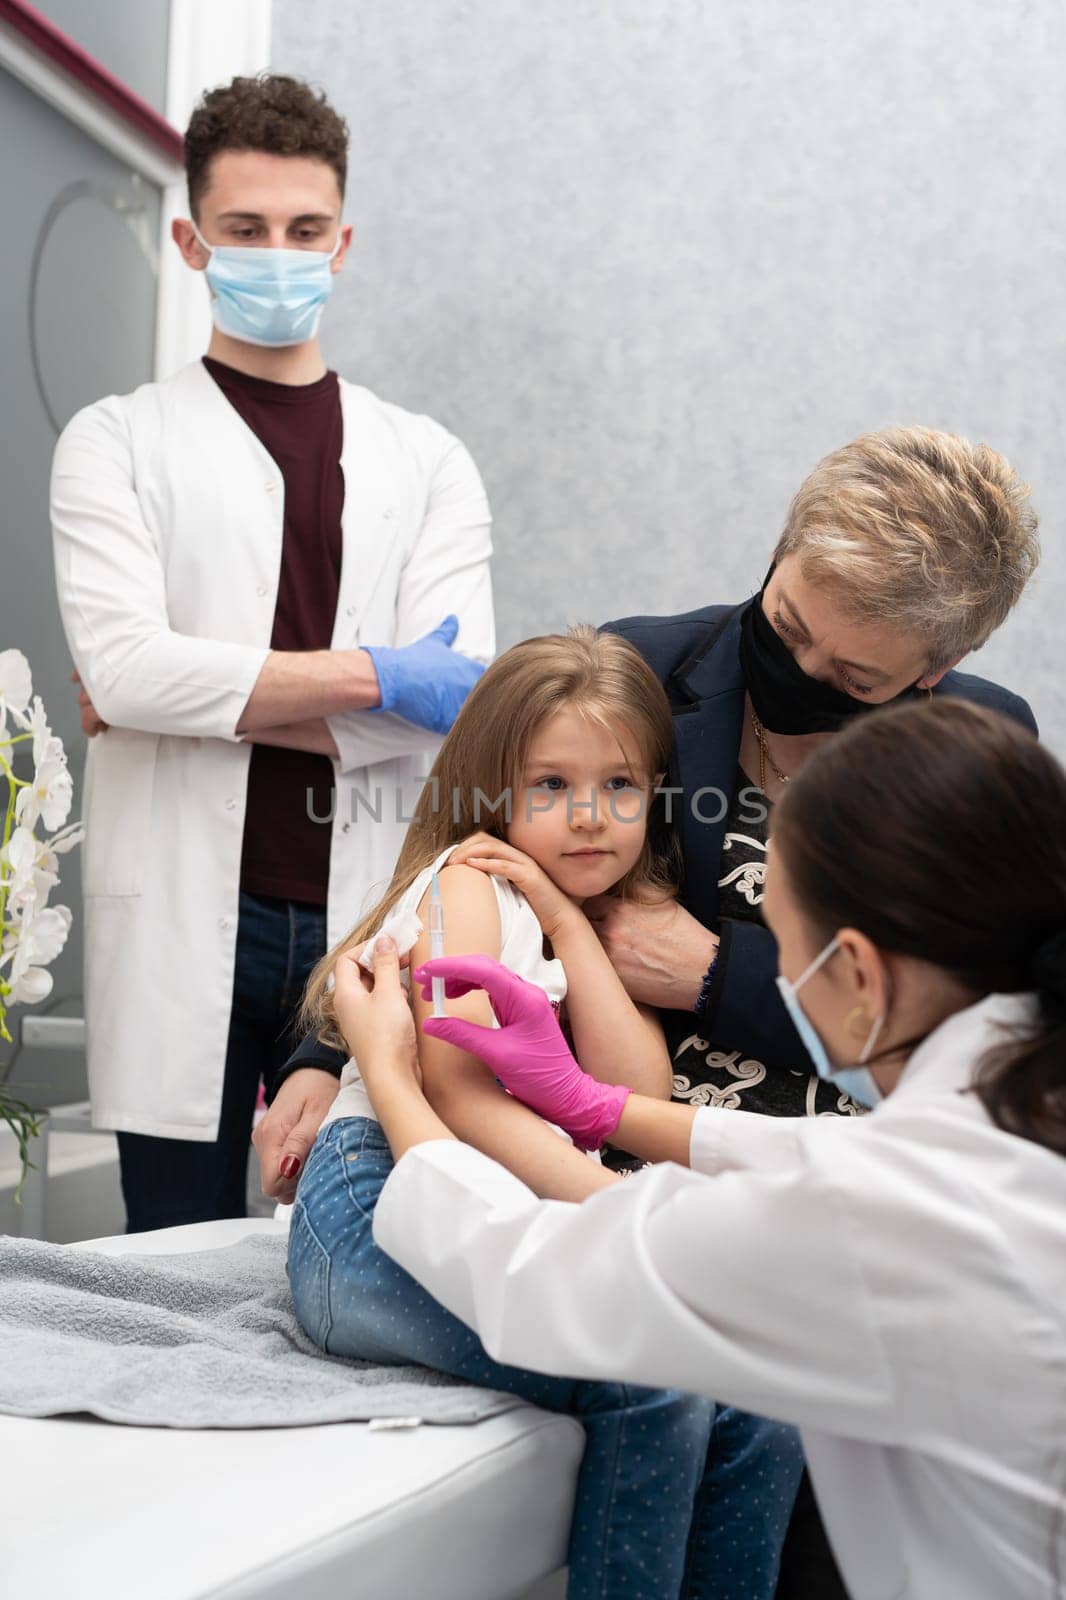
<point x="858" y="1081"/>
<point x="265" y="296"/>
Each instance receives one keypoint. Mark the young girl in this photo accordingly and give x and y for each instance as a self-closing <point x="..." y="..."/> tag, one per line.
<point x="559" y="749"/>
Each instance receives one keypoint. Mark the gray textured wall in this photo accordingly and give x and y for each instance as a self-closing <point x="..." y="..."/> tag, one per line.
<point x="652" y="261"/>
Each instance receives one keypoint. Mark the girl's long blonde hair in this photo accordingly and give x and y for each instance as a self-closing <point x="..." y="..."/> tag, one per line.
<point x="600" y="675"/>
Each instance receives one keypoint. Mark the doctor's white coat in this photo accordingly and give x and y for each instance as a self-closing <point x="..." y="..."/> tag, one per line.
<point x="895" y="1285"/>
<point x="167" y="516"/>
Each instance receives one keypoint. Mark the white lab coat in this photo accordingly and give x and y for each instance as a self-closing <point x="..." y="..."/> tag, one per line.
<point x="895" y="1285"/>
<point x="167" y="516"/>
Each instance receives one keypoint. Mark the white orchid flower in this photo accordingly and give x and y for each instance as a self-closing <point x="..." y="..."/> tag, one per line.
<point x="46" y="745"/>
<point x="16" y="686"/>
<point x="30" y="866"/>
<point x="45" y="875"/>
<point x="37" y="940"/>
<point x="16" y="680"/>
<point x="48" y="797"/>
<point x="32" y="986"/>
<point x="66" y="838"/>
<point x="19" y="863"/>
<point x="48" y="933"/>
<point x="32" y="934"/>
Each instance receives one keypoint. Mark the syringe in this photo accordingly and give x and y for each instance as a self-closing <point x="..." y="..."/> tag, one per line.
<point x="436" y="941"/>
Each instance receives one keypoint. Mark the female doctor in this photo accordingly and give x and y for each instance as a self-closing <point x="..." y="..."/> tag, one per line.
<point x="900" y="1292"/>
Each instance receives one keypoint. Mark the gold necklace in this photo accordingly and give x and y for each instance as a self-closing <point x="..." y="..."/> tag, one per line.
<point x="764" y="755"/>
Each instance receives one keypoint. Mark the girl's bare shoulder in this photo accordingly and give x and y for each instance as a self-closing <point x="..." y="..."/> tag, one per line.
<point x="468" y="898"/>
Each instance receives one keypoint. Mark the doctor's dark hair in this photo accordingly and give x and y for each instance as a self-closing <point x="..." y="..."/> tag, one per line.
<point x="939" y="831"/>
<point x="602" y="677"/>
<point x="279" y="115"/>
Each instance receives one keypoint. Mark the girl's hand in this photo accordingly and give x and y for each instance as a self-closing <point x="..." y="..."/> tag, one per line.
<point x="550" y="905"/>
<point x="374" y="1015"/>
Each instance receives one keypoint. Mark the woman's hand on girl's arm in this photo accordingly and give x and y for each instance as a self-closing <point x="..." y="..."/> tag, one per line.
<point x="658" y="949"/>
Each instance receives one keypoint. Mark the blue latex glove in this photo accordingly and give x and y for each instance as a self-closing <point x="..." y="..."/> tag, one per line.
<point x="425" y="682"/>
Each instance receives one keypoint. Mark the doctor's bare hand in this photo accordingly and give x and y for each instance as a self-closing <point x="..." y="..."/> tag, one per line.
<point x="657" y="948"/>
<point x="374" y="1015"/>
<point x="284" y="1136"/>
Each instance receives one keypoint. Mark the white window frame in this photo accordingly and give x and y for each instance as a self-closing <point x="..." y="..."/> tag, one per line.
<point x="208" y="43"/>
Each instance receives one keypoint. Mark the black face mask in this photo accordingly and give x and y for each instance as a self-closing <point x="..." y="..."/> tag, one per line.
<point x="786" y="700"/>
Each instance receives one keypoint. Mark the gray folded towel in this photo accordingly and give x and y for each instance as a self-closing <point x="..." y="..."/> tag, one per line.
<point x="207" y="1339"/>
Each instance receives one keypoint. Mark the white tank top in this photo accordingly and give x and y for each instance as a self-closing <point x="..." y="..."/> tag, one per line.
<point x="521" y="950"/>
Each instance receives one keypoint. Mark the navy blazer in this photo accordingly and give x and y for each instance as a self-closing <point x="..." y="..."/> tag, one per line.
<point x="696" y="658"/>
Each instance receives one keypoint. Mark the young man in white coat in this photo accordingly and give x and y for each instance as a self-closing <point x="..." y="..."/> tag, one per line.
<point x="276" y="592"/>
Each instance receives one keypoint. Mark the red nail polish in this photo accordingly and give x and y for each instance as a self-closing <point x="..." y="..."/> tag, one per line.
<point x="290" y="1166"/>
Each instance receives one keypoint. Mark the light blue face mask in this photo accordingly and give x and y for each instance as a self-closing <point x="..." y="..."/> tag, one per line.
<point x="265" y="296"/>
<point x="857" y="1081"/>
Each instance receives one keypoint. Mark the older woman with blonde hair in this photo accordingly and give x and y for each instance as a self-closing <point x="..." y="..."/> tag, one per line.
<point x="901" y="554"/>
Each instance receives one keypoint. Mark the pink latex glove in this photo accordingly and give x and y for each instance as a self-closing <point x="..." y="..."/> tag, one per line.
<point x="527" y="1052"/>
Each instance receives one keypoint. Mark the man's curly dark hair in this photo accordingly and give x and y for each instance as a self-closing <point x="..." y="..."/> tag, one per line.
<point x="280" y="115"/>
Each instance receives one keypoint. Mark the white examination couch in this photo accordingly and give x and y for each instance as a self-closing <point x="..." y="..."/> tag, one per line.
<point x="97" y="1511"/>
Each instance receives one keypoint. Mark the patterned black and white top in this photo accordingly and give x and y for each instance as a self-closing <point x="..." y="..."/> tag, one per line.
<point x="707" y="1076"/>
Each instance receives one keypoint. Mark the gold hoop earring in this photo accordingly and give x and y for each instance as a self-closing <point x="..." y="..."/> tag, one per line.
<point x="857" y="1022"/>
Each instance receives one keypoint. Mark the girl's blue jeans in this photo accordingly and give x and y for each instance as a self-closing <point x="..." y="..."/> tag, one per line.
<point x="675" y="1496"/>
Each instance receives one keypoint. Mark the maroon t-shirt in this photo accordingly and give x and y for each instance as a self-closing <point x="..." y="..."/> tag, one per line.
<point x="286" y="853"/>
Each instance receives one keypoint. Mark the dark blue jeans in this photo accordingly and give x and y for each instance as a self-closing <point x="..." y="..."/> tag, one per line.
<point x="171" y="1181"/>
<point x="676" y="1496"/>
